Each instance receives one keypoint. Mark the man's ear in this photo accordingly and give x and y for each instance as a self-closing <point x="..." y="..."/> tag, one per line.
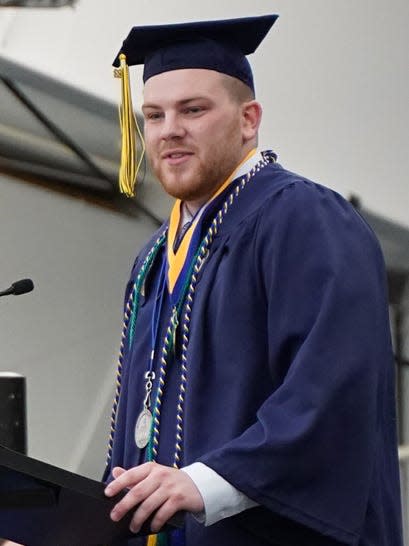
<point x="251" y="119"/>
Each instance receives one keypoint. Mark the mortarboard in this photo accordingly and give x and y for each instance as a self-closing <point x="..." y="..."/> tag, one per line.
<point x="214" y="45"/>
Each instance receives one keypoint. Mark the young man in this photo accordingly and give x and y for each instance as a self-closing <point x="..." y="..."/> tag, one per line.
<point x="256" y="388"/>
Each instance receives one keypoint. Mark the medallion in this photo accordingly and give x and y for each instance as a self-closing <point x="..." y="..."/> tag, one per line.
<point x="143" y="428"/>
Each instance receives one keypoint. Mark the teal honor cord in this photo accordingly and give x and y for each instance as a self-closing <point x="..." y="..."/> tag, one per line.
<point x="144" y="421"/>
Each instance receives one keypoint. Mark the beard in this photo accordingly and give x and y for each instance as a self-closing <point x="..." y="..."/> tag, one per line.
<point x="198" y="183"/>
<point x="205" y="170"/>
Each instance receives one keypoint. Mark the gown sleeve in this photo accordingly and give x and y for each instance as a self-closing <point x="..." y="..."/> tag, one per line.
<point x="311" y="454"/>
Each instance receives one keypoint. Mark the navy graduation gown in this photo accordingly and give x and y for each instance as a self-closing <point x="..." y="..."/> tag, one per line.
<point x="290" y="387"/>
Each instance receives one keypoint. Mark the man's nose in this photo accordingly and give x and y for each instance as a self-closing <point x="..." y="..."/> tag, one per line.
<point x="172" y="127"/>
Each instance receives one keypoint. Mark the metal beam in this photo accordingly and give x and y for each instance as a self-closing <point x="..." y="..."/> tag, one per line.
<point x="36" y="3"/>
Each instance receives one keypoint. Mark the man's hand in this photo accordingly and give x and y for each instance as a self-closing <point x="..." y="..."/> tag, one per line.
<point x="153" y="488"/>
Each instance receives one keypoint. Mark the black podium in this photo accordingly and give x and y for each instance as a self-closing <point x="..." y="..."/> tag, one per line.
<point x="43" y="505"/>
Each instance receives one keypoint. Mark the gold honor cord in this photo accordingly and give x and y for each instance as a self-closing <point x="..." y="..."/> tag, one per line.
<point x="130" y="162"/>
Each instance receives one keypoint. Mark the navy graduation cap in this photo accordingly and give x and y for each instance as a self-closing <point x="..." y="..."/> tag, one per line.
<point x="214" y="45"/>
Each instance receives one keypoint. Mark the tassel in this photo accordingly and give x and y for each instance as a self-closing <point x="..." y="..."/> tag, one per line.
<point x="130" y="162"/>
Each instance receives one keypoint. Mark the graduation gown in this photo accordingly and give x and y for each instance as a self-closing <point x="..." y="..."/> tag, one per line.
<point x="290" y="381"/>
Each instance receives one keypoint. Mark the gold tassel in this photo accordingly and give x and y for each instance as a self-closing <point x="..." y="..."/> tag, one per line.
<point x="130" y="162"/>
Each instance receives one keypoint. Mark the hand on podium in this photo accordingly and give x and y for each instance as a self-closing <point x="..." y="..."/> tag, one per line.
<point x="155" y="490"/>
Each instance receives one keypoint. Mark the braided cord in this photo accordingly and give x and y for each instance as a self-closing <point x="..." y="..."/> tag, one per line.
<point x="202" y="256"/>
<point x="186" y="300"/>
<point x="169" y="343"/>
<point x="130" y="316"/>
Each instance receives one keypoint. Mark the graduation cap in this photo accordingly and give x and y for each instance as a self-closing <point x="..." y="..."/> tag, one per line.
<point x="214" y="45"/>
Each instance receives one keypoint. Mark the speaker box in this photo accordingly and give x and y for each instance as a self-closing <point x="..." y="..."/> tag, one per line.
<point x="13" y="433"/>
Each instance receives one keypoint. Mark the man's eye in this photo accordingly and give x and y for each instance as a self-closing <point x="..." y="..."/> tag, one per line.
<point x="193" y="110"/>
<point x="153" y="116"/>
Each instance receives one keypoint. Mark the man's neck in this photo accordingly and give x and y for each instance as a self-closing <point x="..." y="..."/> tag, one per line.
<point x="191" y="207"/>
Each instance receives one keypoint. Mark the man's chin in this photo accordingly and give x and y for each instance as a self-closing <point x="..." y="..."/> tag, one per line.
<point x="176" y="193"/>
<point x="177" y="188"/>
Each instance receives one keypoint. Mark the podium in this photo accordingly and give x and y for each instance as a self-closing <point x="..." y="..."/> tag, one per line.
<point x="43" y="505"/>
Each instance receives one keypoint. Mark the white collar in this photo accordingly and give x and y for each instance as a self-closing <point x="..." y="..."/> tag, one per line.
<point x="248" y="165"/>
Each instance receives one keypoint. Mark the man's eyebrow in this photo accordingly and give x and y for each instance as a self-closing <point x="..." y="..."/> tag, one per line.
<point x="181" y="102"/>
<point x="192" y="99"/>
<point x="150" y="105"/>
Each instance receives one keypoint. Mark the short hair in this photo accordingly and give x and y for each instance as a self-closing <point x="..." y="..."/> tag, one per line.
<point x="238" y="90"/>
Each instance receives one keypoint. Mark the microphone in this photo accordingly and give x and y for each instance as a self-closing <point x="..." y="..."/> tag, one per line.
<point x="19" y="287"/>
